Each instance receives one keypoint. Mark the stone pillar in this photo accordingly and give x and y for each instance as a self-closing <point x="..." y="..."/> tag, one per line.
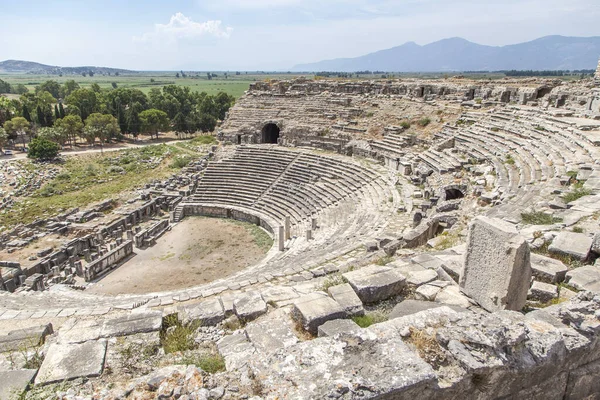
<point x="288" y="229"/>
<point x="497" y="269"/>
<point x="313" y="224"/>
<point x="308" y="234"/>
<point x="281" y="238"/>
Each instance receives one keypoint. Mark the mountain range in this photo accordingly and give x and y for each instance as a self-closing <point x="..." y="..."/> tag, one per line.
<point x="457" y="54"/>
<point x="28" y="67"/>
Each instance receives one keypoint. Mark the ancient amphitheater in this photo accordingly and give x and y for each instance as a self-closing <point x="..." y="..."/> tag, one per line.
<point x="456" y="221"/>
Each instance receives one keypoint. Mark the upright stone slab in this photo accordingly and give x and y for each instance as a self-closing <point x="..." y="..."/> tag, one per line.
<point x="281" y="238"/>
<point x="497" y="270"/>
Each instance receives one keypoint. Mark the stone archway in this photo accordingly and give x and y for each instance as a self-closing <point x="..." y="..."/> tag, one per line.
<point x="270" y="133"/>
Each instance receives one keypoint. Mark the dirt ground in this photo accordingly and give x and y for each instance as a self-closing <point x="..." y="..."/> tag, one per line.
<point x="196" y="251"/>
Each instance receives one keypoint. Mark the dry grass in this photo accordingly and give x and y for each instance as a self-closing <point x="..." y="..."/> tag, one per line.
<point x="427" y="346"/>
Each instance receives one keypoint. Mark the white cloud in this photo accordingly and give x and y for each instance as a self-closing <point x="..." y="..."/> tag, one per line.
<point x="181" y="27"/>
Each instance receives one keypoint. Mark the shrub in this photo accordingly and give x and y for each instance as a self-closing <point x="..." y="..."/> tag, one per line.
<point x="180" y="162"/>
<point x="43" y="149"/>
<point x="510" y="160"/>
<point x="539" y="218"/>
<point x="115" y="169"/>
<point x="364" y="321"/>
<point x="332" y="280"/>
<point x="405" y="124"/>
<point x="211" y="363"/>
<point x="575" y="195"/>
<point x="423" y="122"/>
<point x="176" y="336"/>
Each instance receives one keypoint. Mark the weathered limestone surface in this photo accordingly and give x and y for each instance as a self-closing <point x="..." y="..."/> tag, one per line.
<point x="347" y="299"/>
<point x="315" y="309"/>
<point x="497" y="265"/>
<point x="13" y="383"/>
<point x="249" y="305"/>
<point x="209" y="312"/>
<point x="543" y="292"/>
<point x="142" y="322"/>
<point x="408" y="307"/>
<point x="339" y="327"/>
<point x="375" y="283"/>
<point x="576" y="245"/>
<point x="546" y="269"/>
<point x="585" y="278"/>
<point x="24" y="338"/>
<point x="70" y="361"/>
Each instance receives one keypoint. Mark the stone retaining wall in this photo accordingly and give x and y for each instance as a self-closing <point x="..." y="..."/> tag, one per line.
<point x="151" y="233"/>
<point x="216" y="211"/>
<point x="108" y="261"/>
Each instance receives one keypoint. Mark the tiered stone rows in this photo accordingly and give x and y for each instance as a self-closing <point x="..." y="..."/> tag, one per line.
<point x="281" y="183"/>
<point x="526" y="149"/>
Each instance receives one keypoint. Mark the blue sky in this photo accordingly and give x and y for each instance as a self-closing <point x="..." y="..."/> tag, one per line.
<point x="266" y="34"/>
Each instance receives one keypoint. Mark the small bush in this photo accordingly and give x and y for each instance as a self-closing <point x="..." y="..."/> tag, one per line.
<point x="176" y="336"/>
<point x="330" y="281"/>
<point x="510" y="160"/>
<point x="578" y="229"/>
<point x="575" y="195"/>
<point x="181" y="162"/>
<point x="211" y="363"/>
<point x="539" y="218"/>
<point x="364" y="321"/>
<point x="495" y="129"/>
<point x="423" y="122"/>
<point x="115" y="169"/>
<point x="369" y="114"/>
<point x="405" y="124"/>
<point x="63" y="176"/>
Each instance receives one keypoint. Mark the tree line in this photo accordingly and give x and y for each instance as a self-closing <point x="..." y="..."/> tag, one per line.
<point x="64" y="113"/>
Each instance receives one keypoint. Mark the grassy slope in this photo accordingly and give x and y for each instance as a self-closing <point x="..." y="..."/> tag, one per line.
<point x="91" y="178"/>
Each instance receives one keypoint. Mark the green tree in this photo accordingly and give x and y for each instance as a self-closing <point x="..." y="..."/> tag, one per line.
<point x="52" y="133"/>
<point x="18" y="126"/>
<point x="51" y="87"/>
<point x="114" y="85"/>
<point x="43" y="149"/>
<point x="25" y="113"/>
<point x="5" y="87"/>
<point x="153" y="121"/>
<point x="95" y="87"/>
<point x="56" y="113"/>
<point x="3" y="137"/>
<point x="19" y="89"/>
<point x="7" y="109"/>
<point x="101" y="126"/>
<point x="85" y="100"/>
<point x="207" y="123"/>
<point x="180" y="123"/>
<point x="68" y="87"/>
<point x="61" y="109"/>
<point x="40" y="117"/>
<point x="71" y="127"/>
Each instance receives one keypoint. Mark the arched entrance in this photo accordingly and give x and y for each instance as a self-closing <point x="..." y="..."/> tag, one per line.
<point x="454" y="194"/>
<point x="270" y="133"/>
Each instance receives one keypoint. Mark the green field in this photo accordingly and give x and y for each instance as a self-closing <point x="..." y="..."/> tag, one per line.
<point x="234" y="85"/>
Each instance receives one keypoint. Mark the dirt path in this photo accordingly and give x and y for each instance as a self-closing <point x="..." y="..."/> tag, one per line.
<point x="198" y="250"/>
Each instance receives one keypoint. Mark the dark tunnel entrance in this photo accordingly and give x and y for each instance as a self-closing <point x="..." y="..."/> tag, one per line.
<point x="453" y="194"/>
<point x="270" y="133"/>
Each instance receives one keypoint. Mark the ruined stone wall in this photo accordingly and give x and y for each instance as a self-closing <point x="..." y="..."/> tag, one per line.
<point x="597" y="75"/>
<point x="108" y="261"/>
<point x="228" y="213"/>
<point x="329" y="114"/>
<point x="151" y="233"/>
